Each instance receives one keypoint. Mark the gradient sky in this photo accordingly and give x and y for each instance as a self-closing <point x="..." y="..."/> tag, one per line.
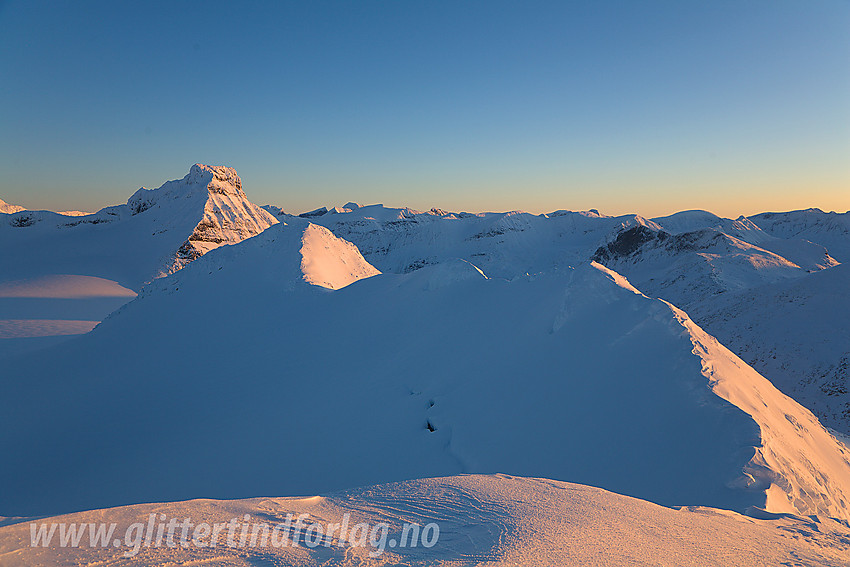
<point x="637" y="106"/>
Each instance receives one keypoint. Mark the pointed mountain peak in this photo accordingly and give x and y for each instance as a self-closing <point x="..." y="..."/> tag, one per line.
<point x="201" y="182"/>
<point x="8" y="208"/>
<point x="216" y="178"/>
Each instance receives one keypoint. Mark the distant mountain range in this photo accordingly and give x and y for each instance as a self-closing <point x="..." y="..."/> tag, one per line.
<point x="270" y="353"/>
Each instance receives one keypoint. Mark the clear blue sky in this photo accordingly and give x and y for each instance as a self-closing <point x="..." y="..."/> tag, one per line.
<point x="634" y="106"/>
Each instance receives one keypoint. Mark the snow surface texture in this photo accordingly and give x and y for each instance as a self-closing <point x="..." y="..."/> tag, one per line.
<point x="157" y="232"/>
<point x="63" y="287"/>
<point x="295" y="388"/>
<point x="496" y="520"/>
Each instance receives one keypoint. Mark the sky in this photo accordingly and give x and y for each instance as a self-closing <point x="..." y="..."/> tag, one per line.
<point x="645" y="107"/>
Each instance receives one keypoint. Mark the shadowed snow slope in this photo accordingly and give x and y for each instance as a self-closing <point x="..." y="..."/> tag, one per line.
<point x="236" y="377"/>
<point x="41" y="311"/>
<point x="483" y="520"/>
<point x="157" y="232"/>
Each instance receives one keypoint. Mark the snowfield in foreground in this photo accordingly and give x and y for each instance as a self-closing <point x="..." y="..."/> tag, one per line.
<point x="482" y="520"/>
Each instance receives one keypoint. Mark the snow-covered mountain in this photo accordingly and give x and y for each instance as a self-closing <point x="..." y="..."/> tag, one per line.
<point x="155" y="233"/>
<point x="288" y="363"/>
<point x="401" y="240"/>
<point x="689" y="258"/>
<point x="797" y="250"/>
<point x="692" y="266"/>
<point x="278" y="384"/>
<point x="788" y="323"/>
<point x="501" y="244"/>
<point x="6" y="208"/>
<point x="831" y="230"/>
<point x="227" y="216"/>
<point x="495" y="520"/>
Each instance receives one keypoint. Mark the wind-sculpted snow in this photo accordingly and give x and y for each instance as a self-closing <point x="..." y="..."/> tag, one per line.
<point x="236" y="377"/>
<point x="796" y="334"/>
<point x="802" y="466"/>
<point x="495" y="520"/>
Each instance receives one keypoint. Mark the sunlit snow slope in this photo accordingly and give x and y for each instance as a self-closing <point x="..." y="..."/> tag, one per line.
<point x="495" y="520"/>
<point x="794" y="332"/>
<point x="7" y="208"/>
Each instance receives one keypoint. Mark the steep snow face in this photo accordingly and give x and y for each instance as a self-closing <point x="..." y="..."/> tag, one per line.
<point x="285" y="387"/>
<point x="216" y="192"/>
<point x="805" y="254"/>
<point x="501" y="244"/>
<point x="802" y="467"/>
<point x="796" y="334"/>
<point x="328" y="261"/>
<point x="831" y="230"/>
<point x="692" y="266"/>
<point x="157" y="232"/>
<point x="7" y="208"/>
<point x="482" y="519"/>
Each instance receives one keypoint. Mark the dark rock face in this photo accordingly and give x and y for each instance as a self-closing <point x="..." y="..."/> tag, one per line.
<point x="628" y="242"/>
